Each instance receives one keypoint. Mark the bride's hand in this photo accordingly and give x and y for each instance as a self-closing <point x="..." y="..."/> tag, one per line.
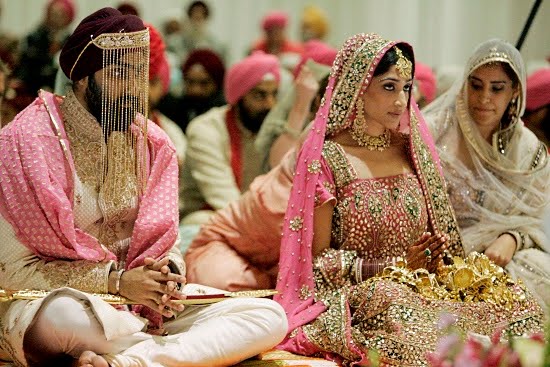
<point x="502" y="249"/>
<point x="427" y="252"/>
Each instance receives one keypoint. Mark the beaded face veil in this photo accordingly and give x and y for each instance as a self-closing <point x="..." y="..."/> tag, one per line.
<point x="118" y="99"/>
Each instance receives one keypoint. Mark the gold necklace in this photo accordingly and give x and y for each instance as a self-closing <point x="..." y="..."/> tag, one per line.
<point x="379" y="143"/>
<point x="359" y="131"/>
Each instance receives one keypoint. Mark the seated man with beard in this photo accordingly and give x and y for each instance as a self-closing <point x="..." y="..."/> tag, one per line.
<point x="221" y="159"/>
<point x="88" y="214"/>
<point x="203" y="72"/>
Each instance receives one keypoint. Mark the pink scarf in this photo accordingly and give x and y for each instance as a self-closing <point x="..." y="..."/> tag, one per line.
<point x="36" y="190"/>
<point x="352" y="72"/>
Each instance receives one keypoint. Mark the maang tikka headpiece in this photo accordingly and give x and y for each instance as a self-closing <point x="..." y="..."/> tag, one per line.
<point x="403" y="65"/>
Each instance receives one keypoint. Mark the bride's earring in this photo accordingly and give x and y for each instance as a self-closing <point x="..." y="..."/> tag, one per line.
<point x="360" y="124"/>
<point x="359" y="131"/>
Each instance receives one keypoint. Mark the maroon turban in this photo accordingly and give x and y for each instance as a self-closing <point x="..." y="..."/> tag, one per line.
<point x="210" y="61"/>
<point x="158" y="63"/>
<point x="106" y="20"/>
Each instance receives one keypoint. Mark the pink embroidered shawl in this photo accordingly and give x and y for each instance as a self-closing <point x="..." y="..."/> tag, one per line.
<point x="36" y="190"/>
<point x="351" y="73"/>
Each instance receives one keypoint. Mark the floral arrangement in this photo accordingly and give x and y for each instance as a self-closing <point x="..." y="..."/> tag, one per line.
<point x="457" y="350"/>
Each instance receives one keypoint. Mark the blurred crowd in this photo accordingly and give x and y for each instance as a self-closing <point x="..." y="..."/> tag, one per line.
<point x="190" y="80"/>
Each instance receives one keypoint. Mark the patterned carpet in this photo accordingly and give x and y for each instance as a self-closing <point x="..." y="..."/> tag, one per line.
<point x="273" y="358"/>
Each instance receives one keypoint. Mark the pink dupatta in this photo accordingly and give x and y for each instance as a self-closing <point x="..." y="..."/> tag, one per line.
<point x="36" y="190"/>
<point x="351" y="74"/>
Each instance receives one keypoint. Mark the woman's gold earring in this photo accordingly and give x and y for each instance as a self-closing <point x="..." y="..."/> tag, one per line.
<point x="359" y="131"/>
<point x="360" y="115"/>
<point x="513" y="109"/>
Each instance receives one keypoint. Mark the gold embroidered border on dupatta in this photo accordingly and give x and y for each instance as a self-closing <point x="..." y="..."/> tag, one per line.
<point x="433" y="184"/>
<point x="328" y="332"/>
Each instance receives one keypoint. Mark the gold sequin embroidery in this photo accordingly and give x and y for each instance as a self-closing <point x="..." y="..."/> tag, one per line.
<point x="82" y="275"/>
<point x="296" y="223"/>
<point x="305" y="292"/>
<point x="314" y="166"/>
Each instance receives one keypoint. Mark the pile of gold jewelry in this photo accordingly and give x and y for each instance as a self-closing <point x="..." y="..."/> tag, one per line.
<point x="474" y="279"/>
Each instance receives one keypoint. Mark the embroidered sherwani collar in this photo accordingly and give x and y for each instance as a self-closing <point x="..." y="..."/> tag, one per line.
<point x="85" y="138"/>
<point x="83" y="122"/>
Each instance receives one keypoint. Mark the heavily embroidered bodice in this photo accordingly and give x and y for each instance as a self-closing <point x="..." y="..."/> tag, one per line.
<point x="378" y="217"/>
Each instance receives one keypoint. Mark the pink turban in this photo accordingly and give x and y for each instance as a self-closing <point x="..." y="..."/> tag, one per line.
<point x="246" y="74"/>
<point x="276" y="18"/>
<point x="426" y="80"/>
<point x="319" y="52"/>
<point x="538" y="89"/>
<point x="158" y="63"/>
<point x="68" y="6"/>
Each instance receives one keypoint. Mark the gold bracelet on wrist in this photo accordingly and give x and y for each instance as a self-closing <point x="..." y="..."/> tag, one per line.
<point x="117" y="280"/>
<point x="358" y="270"/>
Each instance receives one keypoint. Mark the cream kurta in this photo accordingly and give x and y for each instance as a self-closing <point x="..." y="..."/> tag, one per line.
<point x="208" y="179"/>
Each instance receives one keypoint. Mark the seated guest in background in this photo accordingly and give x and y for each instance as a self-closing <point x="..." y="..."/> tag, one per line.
<point x="90" y="207"/>
<point x="159" y="82"/>
<point x="195" y="34"/>
<point x="221" y="158"/>
<point x="293" y="110"/>
<point x="9" y="48"/>
<point x="497" y="170"/>
<point x="368" y="195"/>
<point x="128" y="8"/>
<point x="537" y="108"/>
<point x="4" y="75"/>
<point x="242" y="241"/>
<point x="424" y="85"/>
<point x="203" y="74"/>
<point x="37" y="65"/>
<point x="314" y="24"/>
<point x="275" y="40"/>
<point x="245" y="236"/>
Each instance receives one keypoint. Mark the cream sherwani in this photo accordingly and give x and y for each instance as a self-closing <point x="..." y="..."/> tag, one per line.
<point x="208" y="179"/>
